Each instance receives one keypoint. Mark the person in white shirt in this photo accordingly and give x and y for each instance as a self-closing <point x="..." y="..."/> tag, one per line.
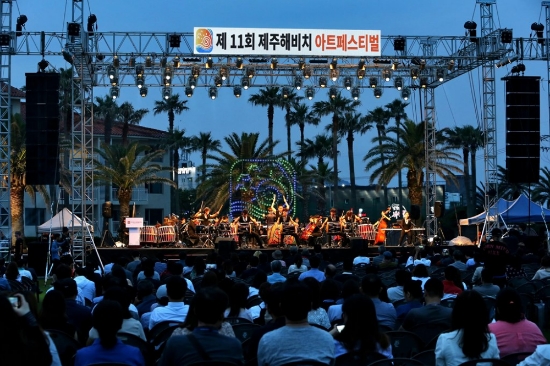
<point x="422" y="260"/>
<point x="21" y="263"/>
<point x="361" y="258"/>
<point x="395" y="293"/>
<point x="85" y="285"/>
<point x="176" y="310"/>
<point x="237" y="302"/>
<point x="544" y="271"/>
<point x="540" y="357"/>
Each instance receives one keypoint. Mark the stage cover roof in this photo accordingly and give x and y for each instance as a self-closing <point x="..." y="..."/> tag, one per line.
<point x="512" y="212"/>
<point x="64" y="218"/>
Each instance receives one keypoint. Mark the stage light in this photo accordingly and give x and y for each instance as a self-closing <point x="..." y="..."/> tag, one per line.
<point x="355" y="93"/>
<point x="506" y="36"/>
<point x="386" y="74"/>
<point x="310" y="92"/>
<point x="373" y="81"/>
<point x="67" y="54"/>
<point x="333" y="92"/>
<point x="334" y="74"/>
<point x="42" y="65"/>
<point x="114" y="91"/>
<point x="140" y="81"/>
<point x="195" y="71"/>
<point x="73" y="29"/>
<point x="148" y="61"/>
<point x="323" y="82"/>
<point x="347" y="83"/>
<point x="377" y="92"/>
<point x="209" y="63"/>
<point x="395" y="65"/>
<point x="361" y="64"/>
<point x="176" y="62"/>
<point x="274" y="63"/>
<point x="114" y="81"/>
<point x="298" y="82"/>
<point x="5" y="39"/>
<point x="398" y="83"/>
<point x="167" y="76"/>
<point x="334" y="64"/>
<point x="538" y="28"/>
<point x="92" y="19"/>
<point x="21" y="20"/>
<point x="451" y="65"/>
<point x="422" y="64"/>
<point x="360" y="73"/>
<point x="423" y="82"/>
<point x="116" y="61"/>
<point x="166" y="93"/>
<point x="239" y="63"/>
<point x="250" y="72"/>
<point x="174" y="40"/>
<point x="224" y="73"/>
<point x="218" y="81"/>
<point x="111" y="71"/>
<point x="213" y="93"/>
<point x="140" y="70"/>
<point x="237" y="91"/>
<point x="405" y="93"/>
<point x="440" y="74"/>
<point x="521" y="67"/>
<point x="163" y="61"/>
<point x="143" y="91"/>
<point x="470" y="27"/>
<point x="414" y="73"/>
<point x="192" y="83"/>
<point x="399" y="44"/>
<point x="245" y="82"/>
<point x="285" y="92"/>
<point x="307" y="72"/>
<point x="301" y="64"/>
<point x="188" y="91"/>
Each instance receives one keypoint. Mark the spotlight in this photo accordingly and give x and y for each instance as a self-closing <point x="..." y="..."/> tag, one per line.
<point x="114" y="81"/>
<point x="538" y="28"/>
<point x="373" y="82"/>
<point x="131" y="61"/>
<point x="218" y="81"/>
<point x="440" y="74"/>
<point x="176" y="62"/>
<point x="398" y="83"/>
<point x="334" y="74"/>
<point x="92" y="19"/>
<point x="42" y="65"/>
<point x="399" y="44"/>
<point x="360" y="73"/>
<point x="250" y="72"/>
<point x="414" y="73"/>
<point x="166" y="93"/>
<point x="355" y="93"/>
<point x="395" y="65"/>
<point x="188" y="91"/>
<point x="310" y="92"/>
<point x="423" y="82"/>
<point x="224" y="73"/>
<point x="377" y="93"/>
<point x="506" y="60"/>
<point x="192" y="83"/>
<point x="140" y="70"/>
<point x="301" y="64"/>
<point x="245" y="82"/>
<point x="239" y="63"/>
<point x="237" y="91"/>
<point x="174" y="40"/>
<point x="333" y="92"/>
<point x="167" y="76"/>
<point x="100" y="57"/>
<point x="405" y="93"/>
<point x="347" y="83"/>
<point x="307" y="72"/>
<point x="451" y="65"/>
<point x="143" y="91"/>
<point x="208" y="64"/>
<point x="470" y="27"/>
<point x="213" y="93"/>
<point x="5" y="39"/>
<point x="506" y="36"/>
<point x="515" y="70"/>
<point x="73" y="29"/>
<point x="195" y="71"/>
<point x="114" y="92"/>
<point x="140" y="81"/>
<point x="334" y="64"/>
<point x="67" y="55"/>
<point x="274" y="63"/>
<point x="361" y="64"/>
<point x="21" y="20"/>
<point x="116" y="61"/>
<point x="521" y="67"/>
<point x="323" y="82"/>
<point x="422" y="64"/>
<point x="148" y="61"/>
<point x="298" y="83"/>
<point x="286" y="92"/>
<point x="111" y="71"/>
<point x="163" y="61"/>
<point x="386" y="74"/>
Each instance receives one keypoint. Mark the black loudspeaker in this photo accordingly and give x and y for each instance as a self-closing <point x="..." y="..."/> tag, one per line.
<point x="225" y="247"/>
<point x="37" y="256"/>
<point x="357" y="245"/>
<point x="414" y="214"/>
<point x="42" y="128"/>
<point x="106" y="210"/>
<point x="522" y="129"/>
<point x="439" y="209"/>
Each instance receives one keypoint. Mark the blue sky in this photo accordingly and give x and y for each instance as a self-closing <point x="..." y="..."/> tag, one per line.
<point x="456" y="104"/>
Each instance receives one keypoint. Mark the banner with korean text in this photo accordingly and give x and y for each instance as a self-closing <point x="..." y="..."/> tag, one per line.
<point x="286" y="42"/>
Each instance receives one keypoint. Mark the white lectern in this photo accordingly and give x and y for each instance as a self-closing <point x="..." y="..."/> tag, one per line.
<point x="134" y="224"/>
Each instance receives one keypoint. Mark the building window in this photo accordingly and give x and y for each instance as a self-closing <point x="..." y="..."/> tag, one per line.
<point x="154" y="215"/>
<point x="190" y="179"/>
<point x="362" y="200"/>
<point x="346" y="201"/>
<point x="394" y="199"/>
<point x="154" y="188"/>
<point x="35" y="216"/>
<point x="376" y="200"/>
<point x="153" y="149"/>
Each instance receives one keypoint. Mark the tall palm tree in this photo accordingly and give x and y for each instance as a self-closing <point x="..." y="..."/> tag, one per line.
<point x="172" y="106"/>
<point x="204" y="143"/>
<point x="477" y="142"/>
<point x="129" y="115"/>
<point x="541" y="192"/>
<point x="107" y="109"/>
<point x="338" y="107"/>
<point x="270" y="98"/>
<point x="507" y="190"/>
<point x="397" y="112"/>
<point x="304" y="179"/>
<point x="301" y="115"/>
<point x="380" y="118"/>
<point x="318" y="148"/>
<point x="410" y="155"/>
<point x="287" y="102"/>
<point x="323" y="174"/>
<point x="128" y="167"/>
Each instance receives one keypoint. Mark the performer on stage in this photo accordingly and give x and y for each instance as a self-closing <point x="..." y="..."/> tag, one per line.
<point x="250" y="230"/>
<point x="205" y="216"/>
<point x="383" y="223"/>
<point x="406" y="230"/>
<point x="313" y="230"/>
<point x="333" y="228"/>
<point x="289" y="226"/>
<point x="280" y="208"/>
<point x="270" y="217"/>
<point x="194" y="238"/>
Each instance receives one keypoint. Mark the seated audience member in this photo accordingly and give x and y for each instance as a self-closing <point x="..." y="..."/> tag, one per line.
<point x="276" y="276"/>
<point x="175" y="310"/>
<point x="432" y="312"/>
<point x="205" y="343"/>
<point x="514" y="333"/>
<point x="298" y="265"/>
<point x="452" y="284"/>
<point x="330" y="292"/>
<point x="349" y="288"/>
<point x="148" y="271"/>
<point x="487" y="288"/>
<point x="459" y="260"/>
<point x="191" y="322"/>
<point x="470" y="337"/>
<point x="395" y="293"/>
<point x="317" y="315"/>
<point x="251" y="269"/>
<point x="388" y="262"/>
<point x="12" y="272"/>
<point x="79" y="315"/>
<point x="286" y="344"/>
<point x="420" y="273"/>
<point x="347" y="272"/>
<point x="237" y="302"/>
<point x="145" y="297"/>
<point x="413" y="299"/>
<point x="259" y="279"/>
<point x="420" y="257"/>
<point x="514" y="269"/>
<point x="372" y="286"/>
<point x="314" y="272"/>
<point x="380" y="257"/>
<point x="129" y="324"/>
<point x="540" y="357"/>
<point x="362" y="258"/>
<point x="136" y="260"/>
<point x="53" y="315"/>
<point x="84" y="284"/>
<point x="108" y="317"/>
<point x="360" y="335"/>
<point x="544" y="271"/>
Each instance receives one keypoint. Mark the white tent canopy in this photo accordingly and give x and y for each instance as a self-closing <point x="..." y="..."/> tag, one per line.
<point x="64" y="218"/>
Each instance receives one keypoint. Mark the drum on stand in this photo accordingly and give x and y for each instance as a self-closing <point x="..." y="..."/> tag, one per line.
<point x="148" y="234"/>
<point x="224" y="230"/>
<point x="366" y="231"/>
<point x="166" y="234"/>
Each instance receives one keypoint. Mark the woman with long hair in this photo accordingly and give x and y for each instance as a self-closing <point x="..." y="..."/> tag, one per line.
<point x="191" y="322"/>
<point x="237" y="302"/>
<point x="360" y="334"/>
<point x="298" y="265"/>
<point x="317" y="315"/>
<point x="420" y="273"/>
<point x="469" y="338"/>
<point x="53" y="316"/>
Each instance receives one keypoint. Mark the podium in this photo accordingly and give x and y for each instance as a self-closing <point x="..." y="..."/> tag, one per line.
<point x="134" y="224"/>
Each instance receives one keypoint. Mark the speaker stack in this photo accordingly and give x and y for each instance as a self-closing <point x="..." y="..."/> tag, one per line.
<point x="42" y="128"/>
<point x="522" y="129"/>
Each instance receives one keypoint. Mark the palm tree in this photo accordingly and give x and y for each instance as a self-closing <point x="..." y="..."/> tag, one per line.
<point x="351" y="124"/>
<point x="301" y="115"/>
<point x="129" y="115"/>
<point x="204" y="143"/>
<point x="397" y="112"/>
<point x="172" y="106"/>
<point x="541" y="192"/>
<point x="380" y="117"/>
<point x="287" y="102"/>
<point x="337" y="106"/>
<point x="304" y="180"/>
<point x="107" y="109"/>
<point x="174" y="142"/>
<point x="323" y="174"/>
<point x="408" y="154"/>
<point x="126" y="167"/>
<point x="477" y="141"/>
<point x="507" y="190"/>
<point x="270" y="98"/>
<point x="318" y="148"/>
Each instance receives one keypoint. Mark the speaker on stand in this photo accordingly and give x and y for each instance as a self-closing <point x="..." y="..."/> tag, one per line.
<point x="107" y="237"/>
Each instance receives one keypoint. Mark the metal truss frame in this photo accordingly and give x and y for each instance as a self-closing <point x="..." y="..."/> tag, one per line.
<point x="5" y="116"/>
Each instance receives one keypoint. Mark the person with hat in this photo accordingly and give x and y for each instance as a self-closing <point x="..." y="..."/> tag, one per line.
<point x="387" y="262"/>
<point x="278" y="255"/>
